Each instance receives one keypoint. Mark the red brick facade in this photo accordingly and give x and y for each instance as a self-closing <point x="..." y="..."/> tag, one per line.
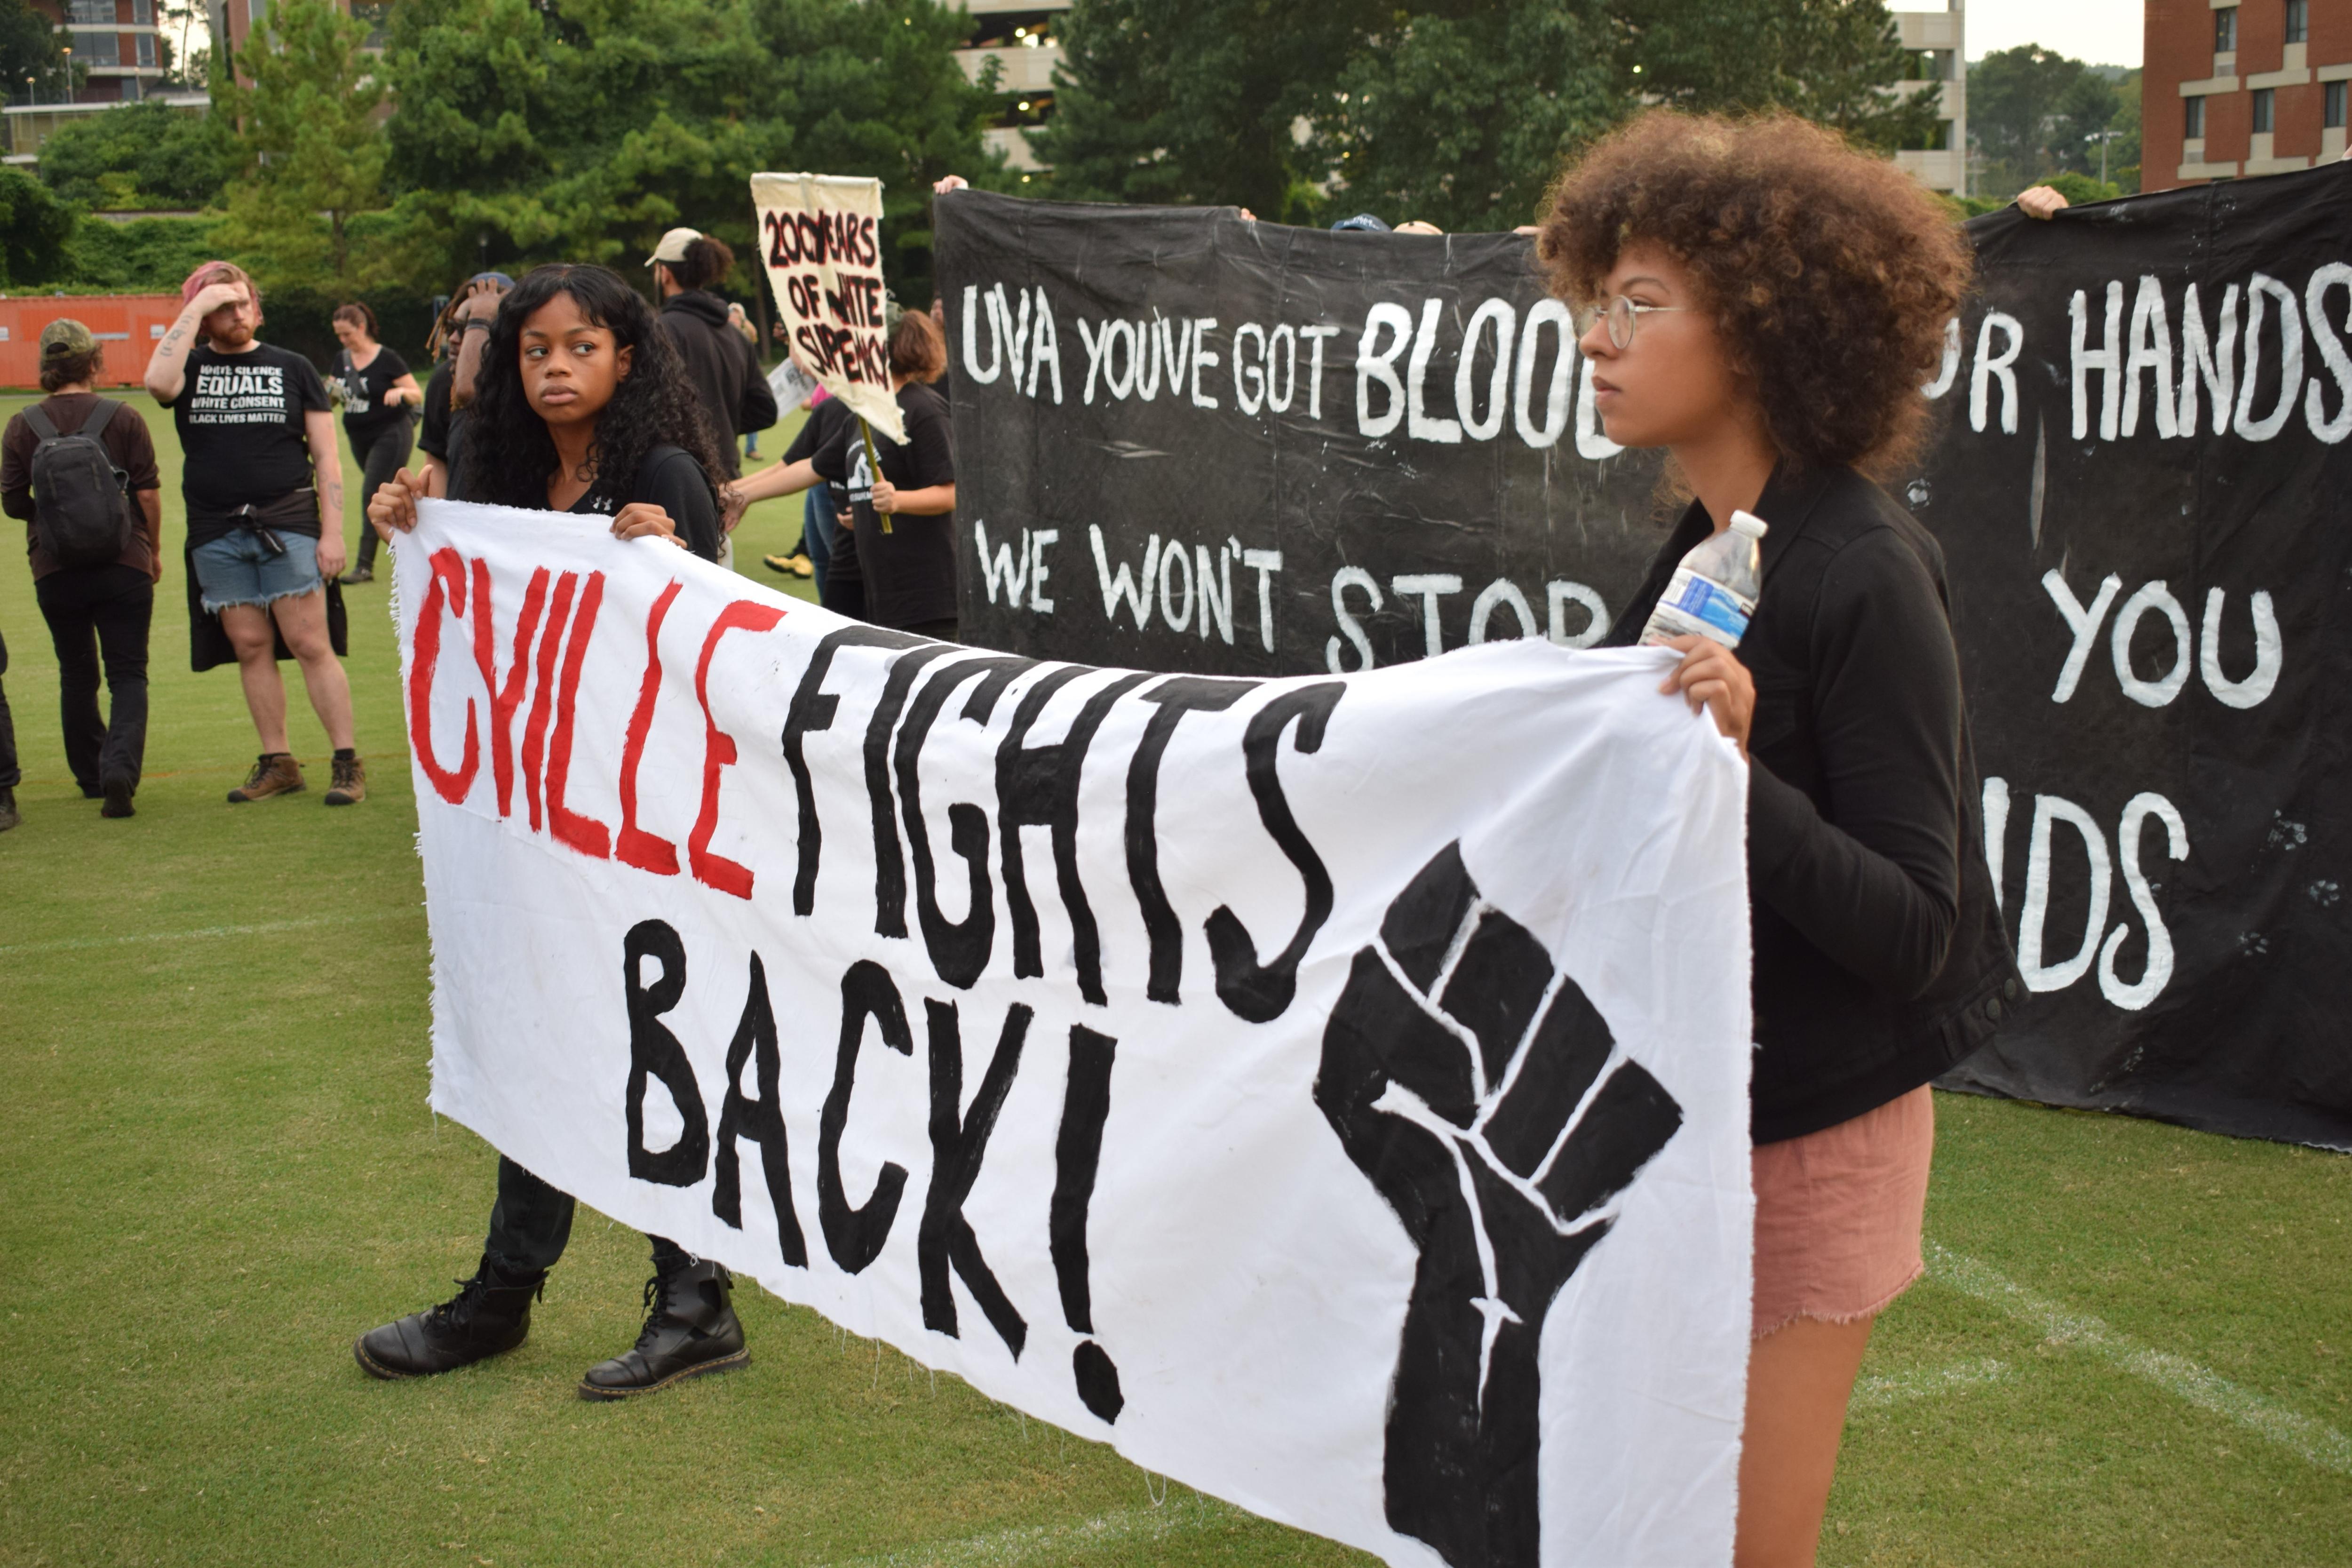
<point x="2300" y="86"/>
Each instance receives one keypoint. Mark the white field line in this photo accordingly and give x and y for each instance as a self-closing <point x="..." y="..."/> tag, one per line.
<point x="1059" y="1543"/>
<point x="260" y="928"/>
<point x="1929" y="1383"/>
<point x="2314" y="1442"/>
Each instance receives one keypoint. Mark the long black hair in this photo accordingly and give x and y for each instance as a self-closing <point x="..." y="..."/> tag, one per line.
<point x="508" y="453"/>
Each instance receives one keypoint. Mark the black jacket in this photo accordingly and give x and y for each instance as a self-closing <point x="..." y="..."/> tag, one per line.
<point x="1880" y="955"/>
<point x="722" y="367"/>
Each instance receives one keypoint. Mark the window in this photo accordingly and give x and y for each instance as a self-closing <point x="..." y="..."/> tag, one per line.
<point x="131" y="89"/>
<point x="97" y="48"/>
<point x="2331" y="106"/>
<point x="2225" y="31"/>
<point x="2298" y="21"/>
<point x="146" y="49"/>
<point x="2193" y="127"/>
<point x="1930" y="65"/>
<point x="99" y="13"/>
<point x="2265" y="109"/>
<point x="142" y="13"/>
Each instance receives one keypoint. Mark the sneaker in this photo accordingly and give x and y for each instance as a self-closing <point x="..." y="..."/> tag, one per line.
<point x="118" y="793"/>
<point x="779" y="565"/>
<point x="801" y="566"/>
<point x="350" y="784"/>
<point x="8" y="814"/>
<point x="488" y="1316"/>
<point x="357" y="575"/>
<point x="273" y="773"/>
<point x="690" y="1328"/>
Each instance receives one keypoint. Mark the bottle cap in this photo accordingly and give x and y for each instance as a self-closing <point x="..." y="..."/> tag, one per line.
<point x="1748" y="523"/>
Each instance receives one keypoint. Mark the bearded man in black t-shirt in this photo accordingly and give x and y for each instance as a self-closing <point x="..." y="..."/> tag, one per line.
<point x="264" y="483"/>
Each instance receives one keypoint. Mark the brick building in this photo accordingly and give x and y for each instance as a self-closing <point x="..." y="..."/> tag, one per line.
<point x="2241" y="87"/>
<point x="120" y="58"/>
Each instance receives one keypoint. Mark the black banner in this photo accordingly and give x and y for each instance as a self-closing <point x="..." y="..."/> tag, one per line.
<point x="1189" y="442"/>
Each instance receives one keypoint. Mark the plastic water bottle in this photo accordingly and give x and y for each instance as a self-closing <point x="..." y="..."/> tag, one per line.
<point x="1713" y="592"/>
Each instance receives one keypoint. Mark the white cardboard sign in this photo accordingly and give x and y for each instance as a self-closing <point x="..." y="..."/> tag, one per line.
<point x="820" y="240"/>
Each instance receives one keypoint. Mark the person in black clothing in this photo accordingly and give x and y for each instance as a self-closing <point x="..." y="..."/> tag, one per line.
<point x="904" y="578"/>
<point x="723" y="367"/>
<point x="379" y="398"/>
<point x="96" y="611"/>
<point x="1765" y="304"/>
<point x="821" y="532"/>
<point x="582" y="405"/>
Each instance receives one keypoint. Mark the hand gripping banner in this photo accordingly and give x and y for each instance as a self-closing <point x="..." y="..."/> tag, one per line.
<point x="820" y="240"/>
<point x="1330" y="1091"/>
<point x="1241" y="449"/>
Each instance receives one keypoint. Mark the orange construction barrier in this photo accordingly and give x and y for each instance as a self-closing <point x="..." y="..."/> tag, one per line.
<point x="127" y="324"/>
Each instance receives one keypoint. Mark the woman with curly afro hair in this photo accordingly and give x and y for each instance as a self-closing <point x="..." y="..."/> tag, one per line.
<point x="1765" y="303"/>
<point x="582" y="405"/>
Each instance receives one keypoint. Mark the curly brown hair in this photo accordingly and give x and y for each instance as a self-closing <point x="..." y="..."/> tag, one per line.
<point x="1830" y="273"/>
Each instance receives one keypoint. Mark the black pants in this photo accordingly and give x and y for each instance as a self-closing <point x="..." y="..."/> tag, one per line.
<point x="10" y="776"/>
<point x="380" y="461"/>
<point x="100" y="613"/>
<point x="532" y="1222"/>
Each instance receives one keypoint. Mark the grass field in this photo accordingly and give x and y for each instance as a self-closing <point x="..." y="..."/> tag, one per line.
<point x="216" y="1166"/>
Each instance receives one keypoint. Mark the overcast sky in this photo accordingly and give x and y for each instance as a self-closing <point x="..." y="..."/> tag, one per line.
<point x="2102" y="32"/>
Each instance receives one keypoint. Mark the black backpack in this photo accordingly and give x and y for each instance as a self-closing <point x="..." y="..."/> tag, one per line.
<point x="81" y="501"/>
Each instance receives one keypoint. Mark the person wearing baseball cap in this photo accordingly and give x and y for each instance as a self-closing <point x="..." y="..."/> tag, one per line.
<point x="79" y="469"/>
<point x="687" y="265"/>
<point x="263" y="475"/>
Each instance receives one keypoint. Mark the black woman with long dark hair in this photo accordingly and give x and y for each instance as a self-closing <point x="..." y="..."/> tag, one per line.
<point x="582" y="405"/>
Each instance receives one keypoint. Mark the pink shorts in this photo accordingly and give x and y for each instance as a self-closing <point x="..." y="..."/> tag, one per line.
<point x="1838" y="1214"/>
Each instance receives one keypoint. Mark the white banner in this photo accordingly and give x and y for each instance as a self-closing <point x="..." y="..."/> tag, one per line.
<point x="1333" y="1092"/>
<point x="820" y="240"/>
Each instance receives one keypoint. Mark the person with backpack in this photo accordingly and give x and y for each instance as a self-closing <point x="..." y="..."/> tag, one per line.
<point x="581" y="405"/>
<point x="263" y="476"/>
<point x="79" y="469"/>
<point x="379" y="397"/>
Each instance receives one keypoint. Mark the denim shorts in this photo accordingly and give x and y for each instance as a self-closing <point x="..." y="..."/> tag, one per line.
<point x="238" y="569"/>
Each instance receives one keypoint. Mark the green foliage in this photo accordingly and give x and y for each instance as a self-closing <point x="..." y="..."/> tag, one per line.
<point x="30" y="54"/>
<point x="34" y="229"/>
<point x="309" y="155"/>
<point x="1458" y="111"/>
<point x="2034" y="113"/>
<point x="1833" y="61"/>
<point x="140" y="156"/>
<point x="1463" y="120"/>
<point x="1199" y="101"/>
<point x="148" y="255"/>
<point x="2080" y="188"/>
<point x="581" y="130"/>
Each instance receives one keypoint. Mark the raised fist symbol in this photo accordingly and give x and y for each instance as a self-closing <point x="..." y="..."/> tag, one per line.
<point x="1453" y="1068"/>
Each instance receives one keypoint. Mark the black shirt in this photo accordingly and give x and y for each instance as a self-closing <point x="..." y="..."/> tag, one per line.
<point x="671" y="479"/>
<point x="240" y="422"/>
<point x="819" y="431"/>
<point x="434" y="434"/>
<point x="909" y="573"/>
<point x="1880" y="958"/>
<point x="366" y="416"/>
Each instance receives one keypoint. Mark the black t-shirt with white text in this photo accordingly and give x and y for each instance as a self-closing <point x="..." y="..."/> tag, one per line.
<point x="366" y="414"/>
<point x="909" y="573"/>
<point x="240" y="422"/>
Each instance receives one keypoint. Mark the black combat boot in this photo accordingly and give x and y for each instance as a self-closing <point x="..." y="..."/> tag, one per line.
<point x="690" y="1328"/>
<point x="490" y="1315"/>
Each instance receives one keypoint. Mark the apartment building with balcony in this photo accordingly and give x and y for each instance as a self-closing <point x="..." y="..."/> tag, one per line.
<point x="118" y="56"/>
<point x="2241" y="87"/>
<point x="1019" y="35"/>
<point x="1938" y="41"/>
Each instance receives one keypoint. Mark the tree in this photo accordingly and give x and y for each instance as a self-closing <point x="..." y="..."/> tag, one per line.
<point x="34" y="229"/>
<point x="2034" y="113"/>
<point x="1462" y="121"/>
<point x="30" y="55"/>
<point x="140" y="156"/>
<point x="1198" y="101"/>
<point x="309" y="154"/>
<point x="580" y="130"/>
<point x="1449" y="110"/>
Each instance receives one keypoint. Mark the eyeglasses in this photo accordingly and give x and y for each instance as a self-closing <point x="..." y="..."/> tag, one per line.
<point x="1622" y="315"/>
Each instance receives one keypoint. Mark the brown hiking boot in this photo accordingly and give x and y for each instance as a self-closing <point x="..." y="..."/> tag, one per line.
<point x="350" y="785"/>
<point x="273" y="773"/>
